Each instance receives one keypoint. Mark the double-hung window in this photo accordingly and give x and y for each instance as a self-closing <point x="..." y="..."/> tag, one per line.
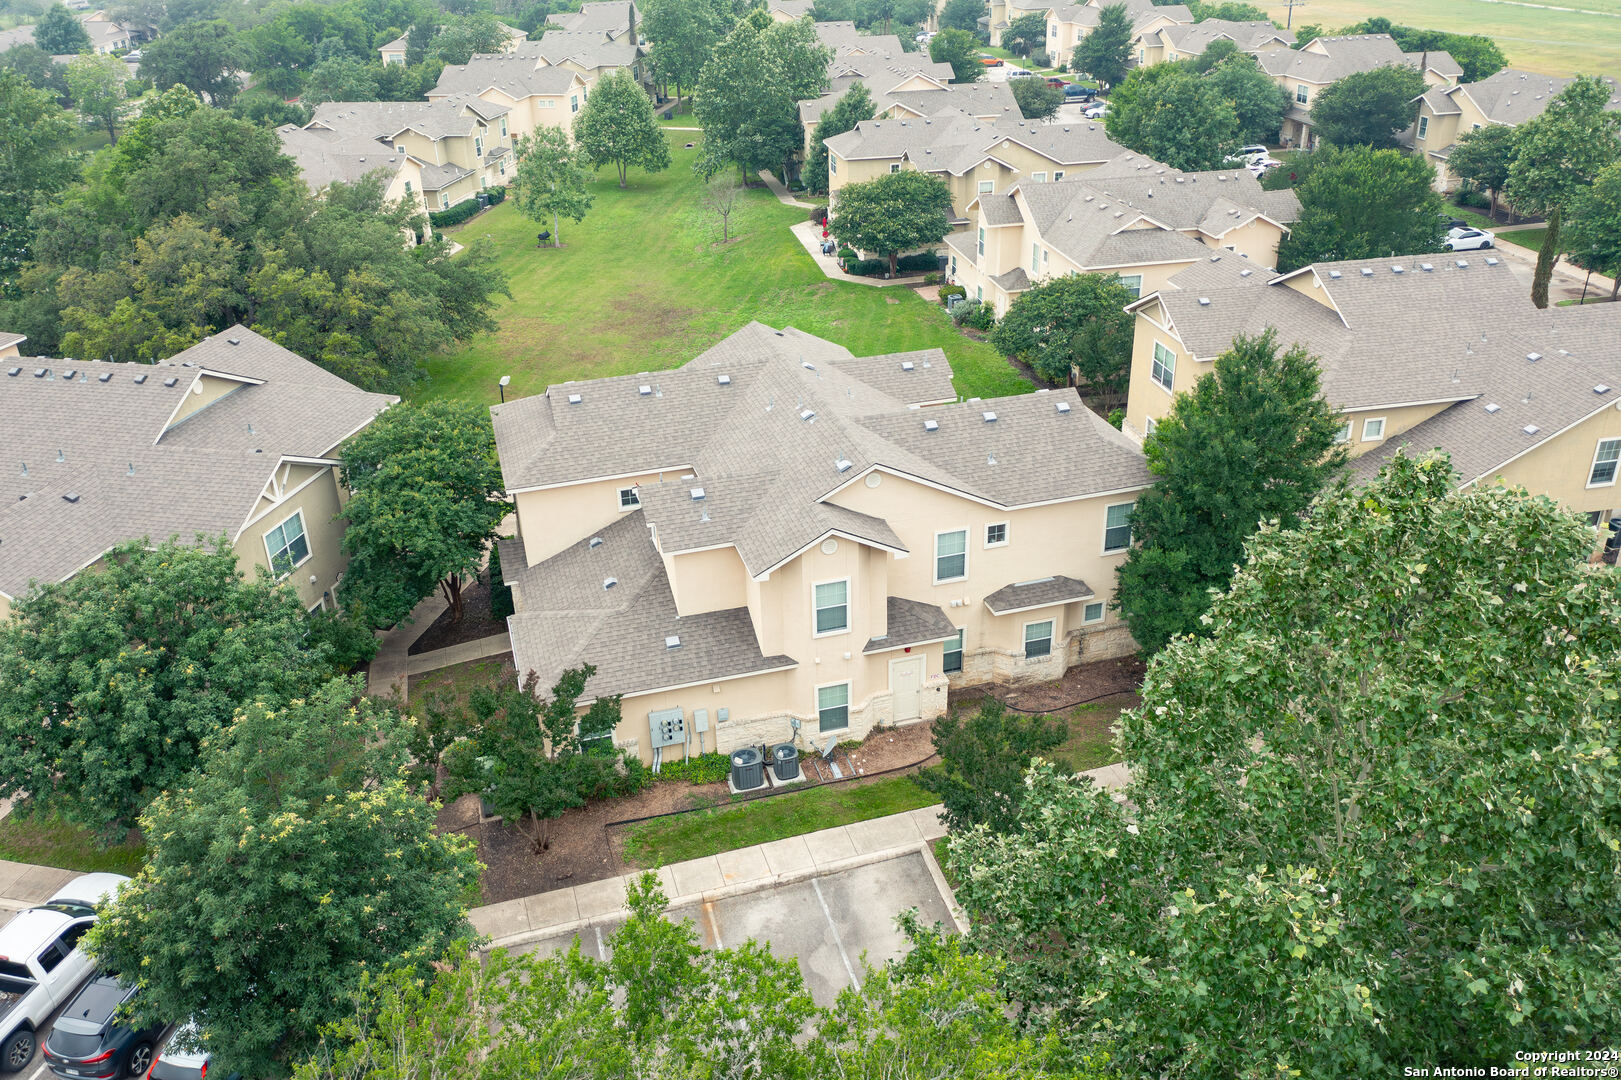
<point x="950" y="556"/>
<point x="1423" y="126"/>
<point x="982" y="239"/>
<point x="987" y="186"/>
<point x="1300" y="93"/>
<point x="1164" y="369"/>
<point x="629" y="498"/>
<point x="574" y="103"/>
<point x="1093" y="613"/>
<point x="1134" y="282"/>
<point x="951" y="657"/>
<point x="286" y="545"/>
<point x="1344" y="433"/>
<point x="1035" y="258"/>
<point x="832" y="601"/>
<point x="478" y="146"/>
<point x="1117" y="527"/>
<point x="1373" y="430"/>
<point x="833" y="706"/>
<point x="1604" y="462"/>
<point x="1038" y="639"/>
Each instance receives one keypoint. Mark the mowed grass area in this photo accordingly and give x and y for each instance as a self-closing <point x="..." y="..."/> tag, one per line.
<point x="47" y="840"/>
<point x="1526" y="238"/>
<point x="1534" y="38"/>
<point x="709" y="832"/>
<point x="644" y="284"/>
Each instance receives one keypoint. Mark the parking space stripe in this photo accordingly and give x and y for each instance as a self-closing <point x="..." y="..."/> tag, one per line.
<point x="602" y="952"/>
<point x="714" y="927"/>
<point x="834" y="930"/>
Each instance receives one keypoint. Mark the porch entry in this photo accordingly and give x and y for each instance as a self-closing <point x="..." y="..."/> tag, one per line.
<point x="905" y="686"/>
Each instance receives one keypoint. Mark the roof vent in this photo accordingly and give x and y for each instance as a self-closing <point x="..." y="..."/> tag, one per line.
<point x="1367" y="272"/>
<point x="1062" y="406"/>
<point x="1180" y="180"/>
<point x="105" y="376"/>
<point x="594" y="542"/>
<point x="1494" y="407"/>
<point x="70" y="496"/>
<point x="1601" y="389"/>
<point x="40" y="373"/>
<point x="14" y="372"/>
<point x="1426" y="267"/>
<point x="233" y="341"/>
<point x="1245" y="272"/>
<point x="1490" y="261"/>
<point x="170" y="381"/>
<point x="1215" y="258"/>
<point x="672" y="642"/>
<point x="807" y="365"/>
<point x="723" y="380"/>
<point x="644" y="390"/>
<point x="1398" y="269"/>
<point x="907" y="365"/>
<point x="1204" y="301"/>
<point x="931" y="425"/>
<point x="70" y="373"/>
<point x="1530" y="429"/>
<point x="139" y="379"/>
<point x="609" y="582"/>
<point x="988" y="416"/>
<point x="575" y="399"/>
<point x="697" y="494"/>
<point x="842" y="465"/>
<point x="1533" y="356"/>
<point x="1462" y="264"/>
<point x="1334" y="274"/>
<point x="807" y="414"/>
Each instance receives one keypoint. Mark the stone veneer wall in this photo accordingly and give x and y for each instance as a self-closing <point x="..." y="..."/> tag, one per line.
<point x="981" y="666"/>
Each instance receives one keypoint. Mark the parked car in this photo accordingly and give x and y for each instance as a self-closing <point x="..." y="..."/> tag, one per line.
<point x="176" y="1063"/>
<point x="89" y="1041"/>
<point x="990" y="61"/>
<point x="1096" y="111"/>
<point x="41" y="964"/>
<point x="1468" y="239"/>
<point x="1254" y="150"/>
<point x="1077" y="92"/>
<point x="1019" y="73"/>
<point x="1056" y="83"/>
<point x="1260" y="166"/>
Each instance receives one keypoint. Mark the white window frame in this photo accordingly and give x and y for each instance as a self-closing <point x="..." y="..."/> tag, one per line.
<point x="1149" y="424"/>
<point x="1423" y="126"/>
<point x="946" y="650"/>
<point x="1006" y="533"/>
<point x="987" y="187"/>
<point x="816" y="696"/>
<point x="1134" y="282"/>
<point x="1058" y="174"/>
<point x="1344" y="435"/>
<point x="935" y="570"/>
<point x="1162" y="373"/>
<point x="1039" y="177"/>
<point x="982" y="239"/>
<point x="1086" y="618"/>
<point x="303" y="531"/>
<point x="399" y="149"/>
<point x="1614" y="463"/>
<point x="478" y="146"/>
<point x="1301" y="93"/>
<point x="832" y="165"/>
<point x="894" y="167"/>
<point x="573" y="103"/>
<point x="1380" y="435"/>
<point x="1107" y="550"/>
<point x="635" y="499"/>
<point x="1035" y="258"/>
<point x="1052" y="634"/>
<point x="815" y="611"/>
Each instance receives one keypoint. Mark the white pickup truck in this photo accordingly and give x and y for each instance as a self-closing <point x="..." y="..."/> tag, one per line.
<point x="41" y="964"/>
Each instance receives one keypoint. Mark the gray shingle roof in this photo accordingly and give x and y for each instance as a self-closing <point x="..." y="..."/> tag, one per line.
<point x="1042" y="592"/>
<point x="203" y="475"/>
<point x="598" y="16"/>
<point x="517" y="77"/>
<point x="381" y="120"/>
<point x="911" y="622"/>
<point x="1512" y="96"/>
<point x="588" y="49"/>
<point x="1341" y="56"/>
<point x="1248" y="35"/>
<point x="956" y="144"/>
<point x="325" y="157"/>
<point x="1142" y="13"/>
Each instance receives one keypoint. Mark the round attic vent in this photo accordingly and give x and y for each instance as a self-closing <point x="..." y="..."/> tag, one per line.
<point x="829" y="546"/>
<point x="874" y="479"/>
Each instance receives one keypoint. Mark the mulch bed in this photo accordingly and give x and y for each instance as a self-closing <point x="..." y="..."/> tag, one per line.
<point x="476" y="621"/>
<point x="1081" y="683"/>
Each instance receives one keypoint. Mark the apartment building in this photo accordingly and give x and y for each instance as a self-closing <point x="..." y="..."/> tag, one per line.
<point x="535" y="95"/>
<point x="1132" y="216"/>
<point x="235" y="436"/>
<point x="1068" y="24"/>
<point x="1186" y="42"/>
<point x="780" y="533"/>
<point x="1419" y="352"/>
<point x="591" y="53"/>
<point x="1304" y="72"/>
<point x="394" y="51"/>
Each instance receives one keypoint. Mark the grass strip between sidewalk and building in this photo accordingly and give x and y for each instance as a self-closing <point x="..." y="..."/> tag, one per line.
<point x="47" y="840"/>
<point x="668" y="840"/>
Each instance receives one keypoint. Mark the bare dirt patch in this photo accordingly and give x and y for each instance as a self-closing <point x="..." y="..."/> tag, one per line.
<point x="476" y="621"/>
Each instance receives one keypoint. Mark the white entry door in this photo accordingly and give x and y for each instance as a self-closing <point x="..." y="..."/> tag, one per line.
<point x="905" y="682"/>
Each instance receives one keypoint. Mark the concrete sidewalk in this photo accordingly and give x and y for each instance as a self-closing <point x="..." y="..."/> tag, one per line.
<point x="390" y="668"/>
<point x="783" y="195"/>
<point x="809" y="236"/>
<point x="494" y="645"/>
<point x="23" y="885"/>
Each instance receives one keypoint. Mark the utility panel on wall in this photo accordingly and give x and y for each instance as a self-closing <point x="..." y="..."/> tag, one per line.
<point x="668" y="727"/>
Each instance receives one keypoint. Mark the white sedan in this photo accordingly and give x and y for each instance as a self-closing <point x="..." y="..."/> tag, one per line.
<point x="1258" y="166"/>
<point x="1466" y="239"/>
<point x="1097" y="111"/>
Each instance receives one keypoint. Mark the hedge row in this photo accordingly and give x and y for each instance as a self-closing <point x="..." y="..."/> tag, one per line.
<point x="925" y="262"/>
<point x="455" y="215"/>
<point x="867" y="267"/>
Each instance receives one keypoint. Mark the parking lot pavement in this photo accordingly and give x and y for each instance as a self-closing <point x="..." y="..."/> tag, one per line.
<point x="37" y="1069"/>
<point x="832" y="924"/>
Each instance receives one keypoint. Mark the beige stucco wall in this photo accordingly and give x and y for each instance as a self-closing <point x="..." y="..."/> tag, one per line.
<point x="1257" y="239"/>
<point x="313" y="492"/>
<point x="711" y="580"/>
<point x="1145" y="398"/>
<point x="205" y="390"/>
<point x="1559" y="468"/>
<point x="584" y="507"/>
<point x="1443" y="130"/>
<point x="1396" y="421"/>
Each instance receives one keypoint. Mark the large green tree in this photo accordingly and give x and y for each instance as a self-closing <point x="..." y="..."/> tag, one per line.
<point x="97" y="84"/>
<point x="963" y="15"/>
<point x="747" y="95"/>
<point x="1172" y="115"/>
<point x="551" y="181"/>
<point x="115" y="677"/>
<point x="59" y="33"/>
<point x="340" y="78"/>
<point x="892" y="213"/>
<point x="1072" y="321"/>
<point x="1483" y="157"/>
<point x="424" y="507"/>
<point x="293" y="862"/>
<point x="36" y="161"/>
<point x="683" y="34"/>
<point x="1106" y="49"/>
<point x="855" y="106"/>
<point x="1372" y="817"/>
<point x="1362" y="203"/>
<point x="617" y="127"/>
<point x="1252" y="442"/>
<point x="960" y="49"/>
<point x="1025" y="34"/>
<point x="1556" y="156"/>
<point x="1257" y="101"/>
<point x="1368" y="108"/>
<point x="983" y="757"/>
<point x="1593" y="230"/>
<point x="205" y="56"/>
<point x="1037" y="100"/>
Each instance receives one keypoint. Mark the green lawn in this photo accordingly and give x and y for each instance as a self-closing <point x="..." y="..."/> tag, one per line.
<point x="458" y="681"/>
<point x="50" y="841"/>
<point x="709" y="832"/>
<point x="1525" y="238"/>
<point x="644" y="284"/>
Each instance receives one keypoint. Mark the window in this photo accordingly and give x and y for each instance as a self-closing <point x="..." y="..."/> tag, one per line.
<point x="1373" y="430"/>
<point x="1038" y="639"/>
<point x="982" y="239"/>
<point x="954" y="267"/>
<point x="1038" y="178"/>
<point x="478" y="146"/>
<point x="1035" y="258"/>
<point x="1052" y="29"/>
<point x="832" y="165"/>
<point x="1164" y="369"/>
<point x="1595" y="518"/>
<point x="951" y="657"/>
<point x="1423" y="126"/>
<point x="894" y="166"/>
<point x="1117" y="527"/>
<point x="1148" y="426"/>
<point x="832" y="602"/>
<point x="1344" y="433"/>
<point x="833" y="706"/>
<point x="1300" y="93"/>
<point x="503" y="127"/>
<point x="398" y="149"/>
<point x="54" y="954"/>
<point x="287" y="545"/>
<point x="408" y="188"/>
<point x="1092" y="613"/>
<point x="444" y="201"/>
<point x="629" y="499"/>
<point x="503" y="168"/>
<point x="1134" y="282"/>
<point x="1604" y="459"/>
<point x="979" y="293"/>
<point x="574" y="103"/>
<point x="996" y="535"/>
<point x="987" y="186"/>
<point x="70" y="937"/>
<point x="950" y="555"/>
<point x="1058" y="174"/>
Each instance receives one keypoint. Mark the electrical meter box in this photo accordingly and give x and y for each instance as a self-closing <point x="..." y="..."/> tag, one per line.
<point x="700" y="720"/>
<point x="669" y="727"/>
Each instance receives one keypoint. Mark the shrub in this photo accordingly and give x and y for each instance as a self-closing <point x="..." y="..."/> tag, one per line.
<point x="1040" y="59"/>
<point x="498" y="195"/>
<point x="867" y="267"/>
<point x="847" y="253"/>
<point x="1468" y="196"/>
<point x="818" y="214"/>
<point x="931" y="279"/>
<point x="455" y="215"/>
<point x="948" y="291"/>
<point x="926" y="260"/>
<point x="500" y="591"/>
<point x="974" y="315"/>
<point x="702" y="769"/>
<point x="352" y="644"/>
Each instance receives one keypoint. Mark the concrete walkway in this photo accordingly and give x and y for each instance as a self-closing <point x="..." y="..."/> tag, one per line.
<point x="494" y="645"/>
<point x="390" y="668"/>
<point x="23" y="885"/>
<point x="1568" y="280"/>
<point x="783" y="195"/>
<point x="809" y="236"/>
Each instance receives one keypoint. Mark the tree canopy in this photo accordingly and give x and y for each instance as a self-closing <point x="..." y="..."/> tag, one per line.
<point x="983" y="758"/>
<point x="1258" y="103"/>
<point x="1074" y="320"/>
<point x="892" y="213"/>
<point x="1106" y="49"/>
<point x="960" y="49"/>
<point x="748" y="92"/>
<point x="294" y="861"/>
<point x="1483" y="157"/>
<point x="1593" y="230"/>
<point x="1362" y="203"/>
<point x="1370" y="819"/>
<point x="683" y="34"/>
<point x="59" y="33"/>
<point x="963" y="15"/>
<point x="1037" y="100"/>
<point x="202" y="56"/>
<point x="1252" y="442"/>
<point x="617" y="128"/>
<point x="35" y="163"/>
<point x="551" y="181"/>
<point x="1368" y="108"/>
<point x="425" y="501"/>
<point x="1476" y="54"/>
<point x="1173" y="115"/>
<point x="1025" y="34"/>
<point x="855" y="106"/>
<point x="96" y="82"/>
<point x="116" y="676"/>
